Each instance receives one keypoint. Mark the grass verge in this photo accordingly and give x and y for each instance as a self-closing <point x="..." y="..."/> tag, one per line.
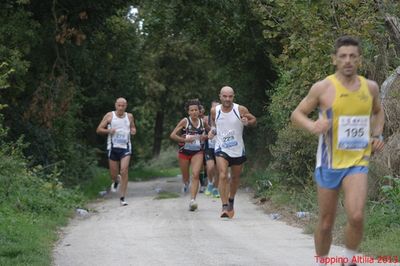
<point x="28" y="239"/>
<point x="101" y="178"/>
<point x="166" y="195"/>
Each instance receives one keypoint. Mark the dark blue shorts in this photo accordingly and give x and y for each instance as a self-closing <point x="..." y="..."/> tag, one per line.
<point x="332" y="178"/>
<point x="231" y="160"/>
<point x="209" y="154"/>
<point x="116" y="154"/>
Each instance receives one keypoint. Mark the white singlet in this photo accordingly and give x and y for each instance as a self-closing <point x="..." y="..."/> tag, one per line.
<point x="122" y="137"/>
<point x="229" y="138"/>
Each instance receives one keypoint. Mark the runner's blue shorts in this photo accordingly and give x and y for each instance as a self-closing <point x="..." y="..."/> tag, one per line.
<point x="332" y="178"/>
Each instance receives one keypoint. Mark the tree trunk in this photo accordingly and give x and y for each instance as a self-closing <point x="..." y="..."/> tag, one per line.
<point x="158" y="132"/>
<point x="394" y="29"/>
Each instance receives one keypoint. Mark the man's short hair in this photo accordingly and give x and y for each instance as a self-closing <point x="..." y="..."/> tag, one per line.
<point x="346" y="40"/>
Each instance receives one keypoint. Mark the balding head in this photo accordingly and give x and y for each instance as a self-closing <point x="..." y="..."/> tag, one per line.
<point x="226" y="96"/>
<point x="121" y="100"/>
<point x="120" y="105"/>
<point x="226" y="89"/>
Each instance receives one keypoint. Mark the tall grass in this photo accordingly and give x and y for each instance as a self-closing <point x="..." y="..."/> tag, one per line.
<point x="32" y="206"/>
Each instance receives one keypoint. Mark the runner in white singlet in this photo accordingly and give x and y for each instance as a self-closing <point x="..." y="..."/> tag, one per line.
<point x="229" y="119"/>
<point x="119" y="126"/>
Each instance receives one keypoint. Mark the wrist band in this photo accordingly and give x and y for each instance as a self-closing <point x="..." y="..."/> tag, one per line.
<point x="380" y="137"/>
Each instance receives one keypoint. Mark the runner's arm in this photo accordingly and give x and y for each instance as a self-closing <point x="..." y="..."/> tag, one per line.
<point x="377" y="118"/>
<point x="247" y="118"/>
<point x="299" y="116"/>
<point x="175" y="134"/>
<point x="213" y="130"/>
<point x="132" y="124"/>
<point x="102" y="127"/>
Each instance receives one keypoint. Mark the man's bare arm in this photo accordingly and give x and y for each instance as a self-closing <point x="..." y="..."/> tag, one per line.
<point x="102" y="127"/>
<point x="299" y="116"/>
<point x="132" y="124"/>
<point x="247" y="118"/>
<point x="377" y="118"/>
<point x="212" y="131"/>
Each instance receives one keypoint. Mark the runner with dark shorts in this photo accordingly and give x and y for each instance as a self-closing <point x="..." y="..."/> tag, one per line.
<point x="190" y="134"/>
<point x="209" y="157"/>
<point x="229" y="119"/>
<point x="119" y="126"/>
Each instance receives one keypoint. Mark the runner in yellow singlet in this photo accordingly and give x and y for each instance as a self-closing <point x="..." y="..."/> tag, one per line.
<point x="349" y="126"/>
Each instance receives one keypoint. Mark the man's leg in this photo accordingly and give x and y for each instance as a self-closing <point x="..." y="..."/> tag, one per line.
<point x="114" y="169"/>
<point x="236" y="170"/>
<point x="124" y="175"/>
<point x="355" y="189"/>
<point x="210" y="168"/>
<point x="223" y="185"/>
<point x="327" y="203"/>
<point x="114" y="172"/>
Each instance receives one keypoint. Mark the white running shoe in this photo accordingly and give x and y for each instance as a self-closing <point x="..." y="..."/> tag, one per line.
<point x="192" y="205"/>
<point x="115" y="184"/>
<point x="123" y="202"/>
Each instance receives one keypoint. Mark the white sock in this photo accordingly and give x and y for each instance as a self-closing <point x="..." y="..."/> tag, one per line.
<point x="348" y="253"/>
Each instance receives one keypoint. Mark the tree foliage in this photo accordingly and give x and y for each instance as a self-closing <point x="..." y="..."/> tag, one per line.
<point x="305" y="31"/>
<point x="63" y="64"/>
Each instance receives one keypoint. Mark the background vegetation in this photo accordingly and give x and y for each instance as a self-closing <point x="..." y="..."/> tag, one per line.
<point x="63" y="63"/>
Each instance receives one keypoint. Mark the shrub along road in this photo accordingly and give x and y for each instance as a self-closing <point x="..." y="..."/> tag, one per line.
<point x="163" y="232"/>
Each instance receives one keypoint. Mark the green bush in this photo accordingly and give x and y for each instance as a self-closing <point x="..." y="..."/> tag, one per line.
<point x="294" y="156"/>
<point x="32" y="204"/>
<point x="168" y="158"/>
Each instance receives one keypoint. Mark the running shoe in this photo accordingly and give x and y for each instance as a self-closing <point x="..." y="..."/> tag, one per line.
<point x="215" y="193"/>
<point x="192" y="205"/>
<point x="202" y="189"/>
<point x="115" y="184"/>
<point x="224" y="212"/>
<point x="230" y="213"/>
<point x="230" y="210"/>
<point x="209" y="189"/>
<point x="123" y="202"/>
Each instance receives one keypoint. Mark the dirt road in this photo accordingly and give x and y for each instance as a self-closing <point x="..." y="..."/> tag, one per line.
<point x="163" y="232"/>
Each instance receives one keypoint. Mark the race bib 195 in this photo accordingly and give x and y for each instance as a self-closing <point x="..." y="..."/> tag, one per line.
<point x="353" y="132"/>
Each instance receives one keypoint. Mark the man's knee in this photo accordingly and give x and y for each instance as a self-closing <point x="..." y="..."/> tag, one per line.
<point x="356" y="219"/>
<point x="223" y="176"/>
<point x="326" y="224"/>
<point x="123" y="171"/>
<point x="196" y="176"/>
